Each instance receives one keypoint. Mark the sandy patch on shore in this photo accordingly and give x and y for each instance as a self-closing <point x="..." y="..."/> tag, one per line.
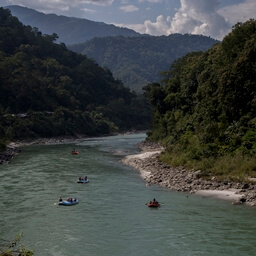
<point x="221" y="194"/>
<point x="132" y="160"/>
<point x="143" y="155"/>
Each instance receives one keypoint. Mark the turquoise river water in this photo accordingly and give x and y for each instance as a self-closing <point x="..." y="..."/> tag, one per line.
<point x="112" y="218"/>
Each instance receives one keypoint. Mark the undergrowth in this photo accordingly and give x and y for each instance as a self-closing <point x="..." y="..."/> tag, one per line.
<point x="235" y="168"/>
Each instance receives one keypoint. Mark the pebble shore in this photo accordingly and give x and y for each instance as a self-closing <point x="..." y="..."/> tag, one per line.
<point x="179" y="179"/>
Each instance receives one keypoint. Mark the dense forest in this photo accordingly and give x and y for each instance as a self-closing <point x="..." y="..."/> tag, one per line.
<point x="47" y="90"/>
<point x="138" y="61"/>
<point x="205" y="108"/>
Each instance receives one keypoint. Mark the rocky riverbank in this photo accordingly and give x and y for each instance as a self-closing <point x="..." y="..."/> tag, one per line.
<point x="155" y="172"/>
<point x="9" y="153"/>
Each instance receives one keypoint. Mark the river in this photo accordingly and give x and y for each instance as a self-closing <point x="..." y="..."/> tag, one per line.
<point x="112" y="218"/>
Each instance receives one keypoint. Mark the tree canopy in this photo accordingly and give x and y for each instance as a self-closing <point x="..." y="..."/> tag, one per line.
<point x="48" y="90"/>
<point x="205" y="106"/>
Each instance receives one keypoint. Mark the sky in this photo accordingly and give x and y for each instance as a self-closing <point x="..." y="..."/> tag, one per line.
<point x="214" y="18"/>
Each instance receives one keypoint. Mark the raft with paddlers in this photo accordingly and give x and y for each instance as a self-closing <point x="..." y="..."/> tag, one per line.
<point x="74" y="152"/>
<point x="83" y="180"/>
<point x="70" y="201"/>
<point x="153" y="203"/>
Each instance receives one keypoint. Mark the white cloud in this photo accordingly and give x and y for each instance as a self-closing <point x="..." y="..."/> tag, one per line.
<point x="200" y="17"/>
<point x="88" y="10"/>
<point x="160" y="27"/>
<point x="150" y="1"/>
<point x="193" y="17"/>
<point x="96" y="2"/>
<point x="129" y="8"/>
<point x="240" y="12"/>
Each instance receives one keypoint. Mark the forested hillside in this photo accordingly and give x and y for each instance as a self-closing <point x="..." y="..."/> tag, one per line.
<point x="205" y="108"/>
<point x="47" y="90"/>
<point x="138" y="61"/>
<point x="69" y="29"/>
<point x="133" y="58"/>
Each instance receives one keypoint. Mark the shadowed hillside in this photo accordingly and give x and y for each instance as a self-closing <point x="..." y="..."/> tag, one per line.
<point x="47" y="90"/>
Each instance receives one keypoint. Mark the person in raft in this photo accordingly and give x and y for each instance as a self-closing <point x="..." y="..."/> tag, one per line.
<point x="85" y="178"/>
<point x="154" y="201"/>
<point x="60" y="200"/>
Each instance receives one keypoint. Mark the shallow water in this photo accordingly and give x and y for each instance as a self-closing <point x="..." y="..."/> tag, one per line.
<point x="111" y="217"/>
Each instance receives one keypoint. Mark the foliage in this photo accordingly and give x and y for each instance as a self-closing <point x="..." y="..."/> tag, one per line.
<point x="12" y="249"/>
<point x="47" y="90"/>
<point x="139" y="60"/>
<point x="205" y="108"/>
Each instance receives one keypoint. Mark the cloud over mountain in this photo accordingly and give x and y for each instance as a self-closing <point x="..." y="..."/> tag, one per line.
<point x="213" y="18"/>
<point x="193" y="17"/>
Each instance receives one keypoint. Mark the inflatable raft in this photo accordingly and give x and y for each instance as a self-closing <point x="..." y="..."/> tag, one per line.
<point x="68" y="203"/>
<point x="153" y="205"/>
<point x="83" y="181"/>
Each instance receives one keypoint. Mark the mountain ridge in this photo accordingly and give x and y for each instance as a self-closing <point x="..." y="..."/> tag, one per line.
<point x="135" y="59"/>
<point x="138" y="61"/>
<point x="70" y="30"/>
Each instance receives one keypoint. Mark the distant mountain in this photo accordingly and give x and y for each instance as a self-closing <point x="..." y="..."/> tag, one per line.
<point x="138" y="61"/>
<point x="70" y="30"/>
<point x="133" y="58"/>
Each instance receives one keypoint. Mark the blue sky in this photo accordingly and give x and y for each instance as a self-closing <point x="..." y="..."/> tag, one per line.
<point x="213" y="18"/>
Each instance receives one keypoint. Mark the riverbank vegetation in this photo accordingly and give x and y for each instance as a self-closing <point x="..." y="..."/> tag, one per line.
<point x="13" y="248"/>
<point x="47" y="90"/>
<point x="205" y="108"/>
